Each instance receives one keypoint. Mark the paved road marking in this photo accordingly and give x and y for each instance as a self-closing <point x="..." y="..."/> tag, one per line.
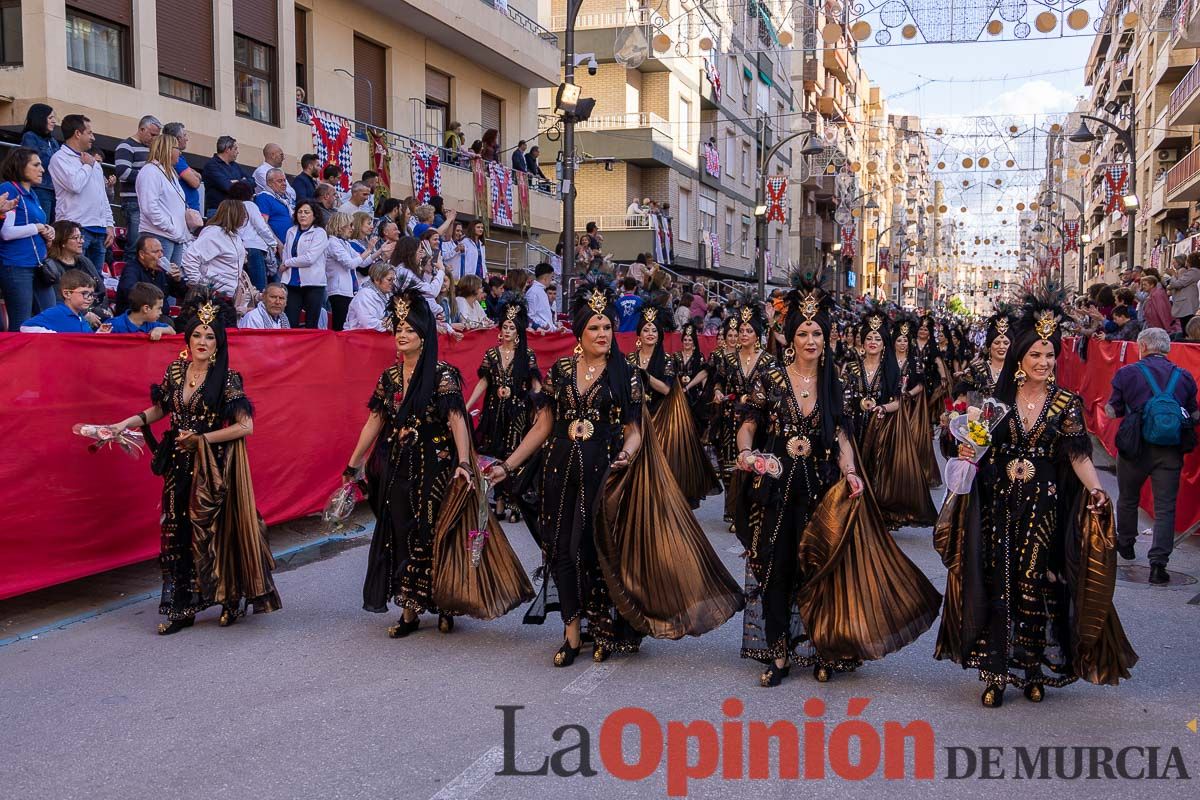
<point x="473" y="778"/>
<point x="590" y="679"/>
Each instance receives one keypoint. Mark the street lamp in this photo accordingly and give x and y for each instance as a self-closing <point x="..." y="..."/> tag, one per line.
<point x="811" y="147"/>
<point x="1084" y="238"/>
<point x="1083" y="135"/>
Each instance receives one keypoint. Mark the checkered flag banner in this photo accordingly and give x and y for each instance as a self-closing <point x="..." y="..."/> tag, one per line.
<point x="716" y="248"/>
<point x="776" y="196"/>
<point x="848" y="234"/>
<point x="332" y="143"/>
<point x="426" y="172"/>
<point x="1070" y="234"/>
<point x="1115" y="178"/>
<point x="500" y="188"/>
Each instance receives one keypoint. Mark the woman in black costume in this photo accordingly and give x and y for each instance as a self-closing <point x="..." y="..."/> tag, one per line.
<point x="872" y="380"/>
<point x="649" y="357"/>
<point x="691" y="369"/>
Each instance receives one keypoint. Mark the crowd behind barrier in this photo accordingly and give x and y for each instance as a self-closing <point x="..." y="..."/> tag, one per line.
<point x="69" y="513"/>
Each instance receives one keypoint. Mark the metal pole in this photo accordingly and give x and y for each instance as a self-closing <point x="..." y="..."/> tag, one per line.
<point x="567" y="186"/>
<point x="760" y="200"/>
<point x="1082" y="255"/>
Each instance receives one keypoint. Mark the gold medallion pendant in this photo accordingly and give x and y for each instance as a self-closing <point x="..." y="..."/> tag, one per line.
<point x="1020" y="470"/>
<point x="799" y="447"/>
<point x="867" y="404"/>
<point x="504" y="392"/>
<point x="581" y="430"/>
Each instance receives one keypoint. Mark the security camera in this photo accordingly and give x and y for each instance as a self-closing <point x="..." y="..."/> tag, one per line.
<point x="592" y="66"/>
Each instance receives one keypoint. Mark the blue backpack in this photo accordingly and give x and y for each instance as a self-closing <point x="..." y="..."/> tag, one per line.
<point x="1162" y="416"/>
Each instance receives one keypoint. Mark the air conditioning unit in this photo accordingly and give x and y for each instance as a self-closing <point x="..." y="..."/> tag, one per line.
<point x="1170" y="155"/>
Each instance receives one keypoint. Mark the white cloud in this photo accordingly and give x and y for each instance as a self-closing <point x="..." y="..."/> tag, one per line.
<point x="1032" y="97"/>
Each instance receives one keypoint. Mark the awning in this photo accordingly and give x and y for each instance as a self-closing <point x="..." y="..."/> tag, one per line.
<point x="765" y="78"/>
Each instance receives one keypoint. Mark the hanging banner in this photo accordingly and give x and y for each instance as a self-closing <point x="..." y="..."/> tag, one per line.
<point x="331" y="143"/>
<point x="776" y="197"/>
<point x="1070" y="234"/>
<point x="523" y="213"/>
<point x="668" y="239"/>
<point x="712" y="160"/>
<point x="1115" y="178"/>
<point x="426" y="172"/>
<point x="848" y="235"/>
<point x="716" y="250"/>
<point x="381" y="162"/>
<point x="479" y="181"/>
<point x="500" y="181"/>
<point x="714" y="77"/>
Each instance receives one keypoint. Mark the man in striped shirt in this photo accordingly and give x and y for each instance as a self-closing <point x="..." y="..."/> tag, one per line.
<point x="131" y="156"/>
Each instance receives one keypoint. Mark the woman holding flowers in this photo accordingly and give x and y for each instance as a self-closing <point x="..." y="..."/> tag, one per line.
<point x="1031" y="549"/>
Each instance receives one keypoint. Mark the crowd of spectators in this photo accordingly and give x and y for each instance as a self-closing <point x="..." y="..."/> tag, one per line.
<point x="1145" y="298"/>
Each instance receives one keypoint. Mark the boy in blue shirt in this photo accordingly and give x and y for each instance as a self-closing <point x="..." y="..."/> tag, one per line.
<point x="78" y="289"/>
<point x="145" y="307"/>
<point x="629" y="306"/>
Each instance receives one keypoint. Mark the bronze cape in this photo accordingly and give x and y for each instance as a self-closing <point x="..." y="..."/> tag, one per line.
<point x="682" y="451"/>
<point x="895" y="465"/>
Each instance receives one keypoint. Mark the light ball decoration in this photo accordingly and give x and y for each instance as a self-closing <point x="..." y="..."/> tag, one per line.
<point x="785" y="38"/>
<point x="661" y="43"/>
<point x="942" y="209"/>
<point x="938" y="132"/>
<point x="1020" y="206"/>
<point x="1045" y="22"/>
<point x="999" y="208"/>
<point x="909" y="31"/>
<point x="706" y="42"/>
<point x="966" y="183"/>
<point x="856" y="212"/>
<point x="1130" y="20"/>
<point x="999" y="181"/>
<point x="1056" y="128"/>
<point x="995" y="27"/>
<point x="1057" y="162"/>
<point x="1085" y="158"/>
<point x="1033" y="206"/>
<point x="941" y="165"/>
<point x="872" y="167"/>
<point x="1078" y="19"/>
<point x="860" y="30"/>
<point x="968" y="162"/>
<point x="1010" y="163"/>
<point x="1013" y="128"/>
<point x="929" y="208"/>
<point x="831" y="33"/>
<point x="963" y="210"/>
<point x="856" y="166"/>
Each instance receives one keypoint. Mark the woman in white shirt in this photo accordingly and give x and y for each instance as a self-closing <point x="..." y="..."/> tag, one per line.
<point x="217" y="257"/>
<point x="368" y="309"/>
<point x="468" y="294"/>
<point x="342" y="263"/>
<point x="256" y="235"/>
<point x="160" y="198"/>
<point x="304" y="265"/>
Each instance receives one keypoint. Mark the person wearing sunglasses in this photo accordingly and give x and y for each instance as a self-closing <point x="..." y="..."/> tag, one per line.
<point x="78" y="290"/>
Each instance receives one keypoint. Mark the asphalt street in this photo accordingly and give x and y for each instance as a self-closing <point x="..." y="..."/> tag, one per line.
<point x="316" y="702"/>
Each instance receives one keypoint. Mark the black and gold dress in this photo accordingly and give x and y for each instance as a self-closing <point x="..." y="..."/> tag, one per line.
<point x="734" y="381"/>
<point x="977" y="382"/>
<point x="698" y="397"/>
<point x="1030" y="570"/>
<point x="864" y="391"/>
<point x="621" y="550"/>
<point x="415" y="560"/>
<point x="214" y="547"/>
<point x="679" y="436"/>
<point x="654" y="398"/>
<point x="825" y="583"/>
<point x="506" y="416"/>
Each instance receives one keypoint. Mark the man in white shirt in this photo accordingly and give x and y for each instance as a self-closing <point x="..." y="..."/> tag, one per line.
<point x="269" y="313"/>
<point x="80" y="188"/>
<point x="453" y="251"/>
<point x="360" y="200"/>
<point x="541" y="316"/>
<point x="272" y="159"/>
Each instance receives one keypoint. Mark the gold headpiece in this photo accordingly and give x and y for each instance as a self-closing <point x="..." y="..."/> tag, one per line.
<point x="747" y="313"/>
<point x="598" y="301"/>
<point x="904" y="328"/>
<point x="1046" y="324"/>
<point x="512" y="312"/>
<point x="400" y="309"/>
<point x="207" y="313"/>
<point x="876" y="322"/>
<point x="650" y="314"/>
<point x="1002" y="326"/>
<point x="809" y="306"/>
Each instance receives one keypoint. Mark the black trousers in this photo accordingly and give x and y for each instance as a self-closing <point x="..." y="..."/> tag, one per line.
<point x="1162" y="466"/>
<point x="309" y="298"/>
<point x="338" y="306"/>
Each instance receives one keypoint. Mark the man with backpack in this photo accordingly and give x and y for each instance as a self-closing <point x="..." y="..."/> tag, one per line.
<point x="1158" y="402"/>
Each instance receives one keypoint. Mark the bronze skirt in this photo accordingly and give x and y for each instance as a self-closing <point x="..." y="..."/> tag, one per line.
<point x="892" y="460"/>
<point x="664" y="577"/>
<point x="498" y="584"/>
<point x="229" y="538"/>
<point x="681" y="447"/>
<point x="861" y="597"/>
<point x="933" y="473"/>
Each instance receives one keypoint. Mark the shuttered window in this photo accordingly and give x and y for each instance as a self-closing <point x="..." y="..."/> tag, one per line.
<point x="257" y="20"/>
<point x="490" y="114"/>
<point x="185" y="50"/>
<point x="98" y="41"/>
<point x="255" y="59"/>
<point x="437" y="105"/>
<point x="370" y="82"/>
<point x="302" y="53"/>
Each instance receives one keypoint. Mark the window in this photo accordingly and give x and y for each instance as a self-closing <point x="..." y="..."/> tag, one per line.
<point x="685" y="216"/>
<point x="97" y="47"/>
<point x="746" y="164"/>
<point x="437" y="105"/>
<point x="729" y="230"/>
<point x="745" y="245"/>
<point x="730" y="150"/>
<point x="763" y="99"/>
<point x="10" y="32"/>
<point x="254" y="79"/>
<point x="302" y="54"/>
<point x="708" y="210"/>
<point x="185" y="50"/>
<point x="747" y="91"/>
<point x="491" y="113"/>
<point x="685" y="124"/>
<point x="370" y="82"/>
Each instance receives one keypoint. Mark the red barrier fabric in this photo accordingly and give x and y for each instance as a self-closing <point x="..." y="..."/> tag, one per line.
<point x="69" y="513"/>
<point x="1092" y="380"/>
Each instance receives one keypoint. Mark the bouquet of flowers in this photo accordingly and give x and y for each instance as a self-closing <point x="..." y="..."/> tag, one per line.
<point x="131" y="442"/>
<point x="341" y="504"/>
<point x="766" y="464"/>
<point x="974" y="427"/>
<point x="478" y="536"/>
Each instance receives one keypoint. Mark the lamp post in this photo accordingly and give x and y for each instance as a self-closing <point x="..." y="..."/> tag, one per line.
<point x="1084" y="136"/>
<point x="567" y="185"/>
<point x="811" y="148"/>
<point x="1062" y="256"/>
<point x="1084" y="238"/>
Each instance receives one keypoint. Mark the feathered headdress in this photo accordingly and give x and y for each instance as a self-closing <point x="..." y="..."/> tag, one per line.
<point x="596" y="299"/>
<point x="1040" y="320"/>
<point x="204" y="307"/>
<point x="750" y="312"/>
<point x="809" y="302"/>
<point x="408" y="305"/>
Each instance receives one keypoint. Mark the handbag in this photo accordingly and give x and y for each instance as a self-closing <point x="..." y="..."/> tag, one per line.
<point x="49" y="272"/>
<point x="1129" y="436"/>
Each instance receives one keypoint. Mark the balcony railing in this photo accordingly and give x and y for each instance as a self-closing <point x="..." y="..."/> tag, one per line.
<point x="525" y="22"/>
<point x="1184" y="91"/>
<point x="624" y="121"/>
<point x="1184" y="171"/>
<point x="617" y="222"/>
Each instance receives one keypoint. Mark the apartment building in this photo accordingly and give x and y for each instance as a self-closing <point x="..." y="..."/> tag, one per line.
<point x="234" y="67"/>
<point x="687" y="124"/>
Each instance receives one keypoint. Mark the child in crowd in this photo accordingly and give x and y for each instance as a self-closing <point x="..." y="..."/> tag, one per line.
<point x="145" y="308"/>
<point x="77" y="289"/>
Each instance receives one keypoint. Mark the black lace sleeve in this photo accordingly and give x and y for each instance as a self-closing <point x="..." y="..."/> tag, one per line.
<point x="448" y="397"/>
<point x="1073" y="441"/>
<point x="160" y="393"/>
<point x="383" y="388"/>
<point x="637" y="395"/>
<point x="554" y="379"/>
<point x="485" y="367"/>
<point x="754" y="405"/>
<point x="235" y="404"/>
<point x="534" y="373"/>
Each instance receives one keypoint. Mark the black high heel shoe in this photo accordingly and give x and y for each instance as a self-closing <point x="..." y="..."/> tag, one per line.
<point x="403" y="628"/>
<point x="566" y="655"/>
<point x="774" y="675"/>
<point x="600" y="653"/>
<point x="175" y="626"/>
<point x="445" y="623"/>
<point x="229" y="615"/>
<point x="822" y="674"/>
<point x="993" y="696"/>
<point x="1035" y="693"/>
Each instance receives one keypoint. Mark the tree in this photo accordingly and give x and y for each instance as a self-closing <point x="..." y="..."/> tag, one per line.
<point x="957" y="306"/>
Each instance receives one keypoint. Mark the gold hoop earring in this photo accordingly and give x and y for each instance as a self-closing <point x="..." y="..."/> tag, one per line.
<point x="183" y="353"/>
<point x="499" y="338"/>
<point x="1020" y="376"/>
<point x="578" y="349"/>
<point x="789" y="355"/>
<point x="638" y="343"/>
<point x="213" y="357"/>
